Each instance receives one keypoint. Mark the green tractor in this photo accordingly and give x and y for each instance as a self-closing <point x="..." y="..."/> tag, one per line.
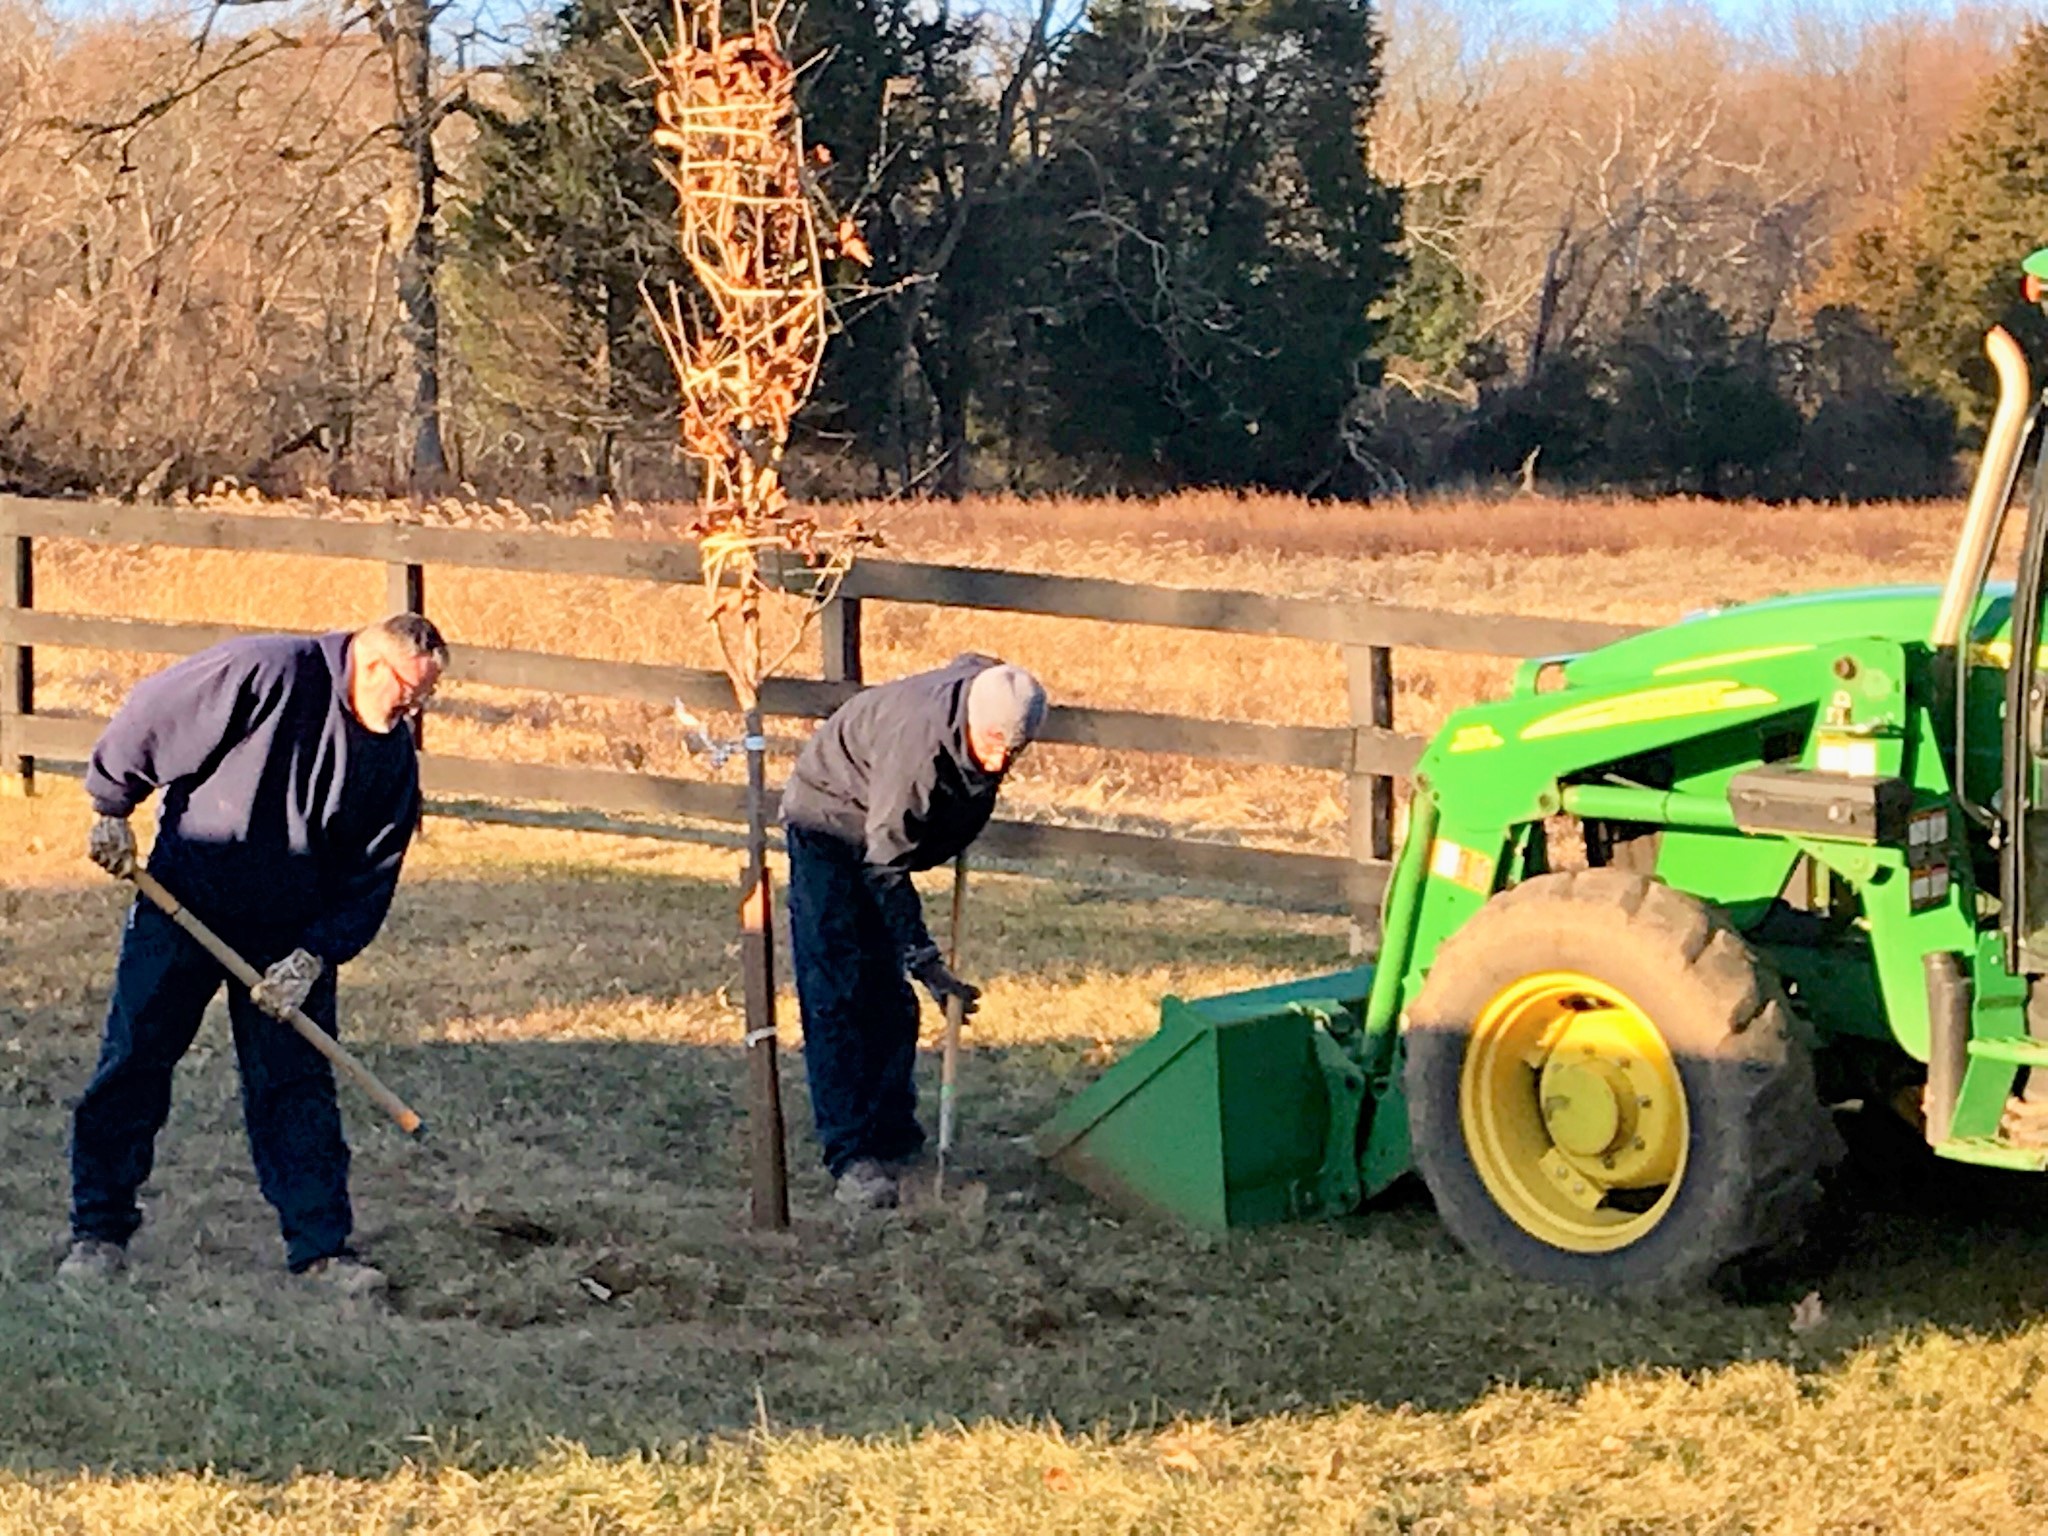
<point x="1654" y="912"/>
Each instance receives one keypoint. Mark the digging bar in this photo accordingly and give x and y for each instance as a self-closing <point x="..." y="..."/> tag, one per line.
<point x="956" y="1013"/>
<point x="392" y="1105"/>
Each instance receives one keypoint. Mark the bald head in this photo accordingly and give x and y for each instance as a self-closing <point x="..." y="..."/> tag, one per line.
<point x="1005" y="708"/>
<point x="392" y="669"/>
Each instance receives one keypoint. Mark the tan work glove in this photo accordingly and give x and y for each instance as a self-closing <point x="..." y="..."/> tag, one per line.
<point x="285" y="985"/>
<point x="111" y="845"/>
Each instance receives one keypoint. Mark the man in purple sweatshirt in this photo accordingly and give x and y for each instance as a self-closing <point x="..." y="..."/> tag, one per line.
<point x="290" y="792"/>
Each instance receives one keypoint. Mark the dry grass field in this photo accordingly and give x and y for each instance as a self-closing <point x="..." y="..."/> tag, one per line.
<point x="1619" y="561"/>
<point x="1014" y="1357"/>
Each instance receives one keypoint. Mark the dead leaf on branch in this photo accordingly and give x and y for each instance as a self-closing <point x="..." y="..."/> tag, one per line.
<point x="851" y="246"/>
<point x="746" y="348"/>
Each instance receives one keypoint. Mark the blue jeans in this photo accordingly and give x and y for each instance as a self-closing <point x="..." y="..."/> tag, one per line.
<point x="860" y="1016"/>
<point x="162" y="984"/>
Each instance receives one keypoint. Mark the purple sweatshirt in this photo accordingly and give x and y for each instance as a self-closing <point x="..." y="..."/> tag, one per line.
<point x="284" y="820"/>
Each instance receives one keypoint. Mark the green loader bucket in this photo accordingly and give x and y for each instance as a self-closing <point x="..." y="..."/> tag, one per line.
<point x="1241" y="1110"/>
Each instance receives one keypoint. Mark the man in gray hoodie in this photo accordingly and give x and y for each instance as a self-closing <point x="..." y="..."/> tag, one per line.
<point x="901" y="778"/>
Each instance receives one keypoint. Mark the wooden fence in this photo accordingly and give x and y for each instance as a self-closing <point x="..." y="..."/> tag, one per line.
<point x="1367" y="751"/>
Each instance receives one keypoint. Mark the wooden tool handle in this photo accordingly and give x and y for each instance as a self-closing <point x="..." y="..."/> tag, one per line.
<point x="247" y="974"/>
<point x="949" y="1072"/>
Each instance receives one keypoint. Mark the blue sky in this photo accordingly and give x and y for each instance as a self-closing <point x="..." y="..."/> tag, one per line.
<point x="1594" y="13"/>
<point x="1559" y="15"/>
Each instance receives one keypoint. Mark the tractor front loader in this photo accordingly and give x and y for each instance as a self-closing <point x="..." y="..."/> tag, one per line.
<point x="1654" y="912"/>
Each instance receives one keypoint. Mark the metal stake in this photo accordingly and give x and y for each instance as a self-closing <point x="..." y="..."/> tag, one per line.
<point x="768" y="1154"/>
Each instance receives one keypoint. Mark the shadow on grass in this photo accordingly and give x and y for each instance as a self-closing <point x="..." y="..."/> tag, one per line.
<point x="557" y="938"/>
<point x="635" y="1309"/>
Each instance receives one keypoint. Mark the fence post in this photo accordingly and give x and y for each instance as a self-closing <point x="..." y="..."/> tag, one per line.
<point x="17" y="662"/>
<point x="839" y="631"/>
<point x="1369" y="680"/>
<point x="405" y="591"/>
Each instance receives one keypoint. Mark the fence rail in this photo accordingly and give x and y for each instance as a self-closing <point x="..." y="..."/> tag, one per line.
<point x="1368" y="751"/>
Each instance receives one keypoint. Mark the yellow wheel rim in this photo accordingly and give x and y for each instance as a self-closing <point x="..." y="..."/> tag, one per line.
<point x="1573" y="1112"/>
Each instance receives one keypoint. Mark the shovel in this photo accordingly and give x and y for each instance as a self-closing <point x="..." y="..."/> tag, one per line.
<point x="401" y="1112"/>
<point x="509" y="1224"/>
<point x="956" y="1013"/>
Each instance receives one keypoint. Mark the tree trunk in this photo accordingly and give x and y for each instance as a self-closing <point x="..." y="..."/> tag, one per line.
<point x="1556" y="273"/>
<point x="621" y="314"/>
<point x="953" y="467"/>
<point x="896" y="424"/>
<point x="945" y="374"/>
<point x="419" y="264"/>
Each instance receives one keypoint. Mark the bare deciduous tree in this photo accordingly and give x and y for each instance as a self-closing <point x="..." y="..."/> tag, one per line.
<point x="1566" y="181"/>
<point x="190" y="266"/>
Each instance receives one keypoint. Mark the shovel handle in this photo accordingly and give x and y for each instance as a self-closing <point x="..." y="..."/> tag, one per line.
<point x="949" y="1073"/>
<point x="247" y="974"/>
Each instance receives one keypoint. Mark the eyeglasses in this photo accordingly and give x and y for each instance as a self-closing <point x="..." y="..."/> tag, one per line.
<point x="416" y="690"/>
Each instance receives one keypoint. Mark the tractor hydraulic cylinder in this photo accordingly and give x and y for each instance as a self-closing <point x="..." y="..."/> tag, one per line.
<point x="1658" y="807"/>
<point x="1397" y="933"/>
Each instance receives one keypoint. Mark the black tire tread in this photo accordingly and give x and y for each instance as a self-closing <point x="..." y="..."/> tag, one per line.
<point x="1782" y="1138"/>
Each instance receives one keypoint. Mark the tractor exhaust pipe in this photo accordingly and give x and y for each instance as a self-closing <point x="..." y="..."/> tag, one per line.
<point x="1992" y="491"/>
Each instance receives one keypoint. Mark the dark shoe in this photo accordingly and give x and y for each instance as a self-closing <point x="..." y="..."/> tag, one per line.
<point x="93" y="1261"/>
<point x="902" y="1168"/>
<point x="866" y="1186"/>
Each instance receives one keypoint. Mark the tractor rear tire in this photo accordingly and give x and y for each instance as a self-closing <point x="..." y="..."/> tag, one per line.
<point x="1592" y="1019"/>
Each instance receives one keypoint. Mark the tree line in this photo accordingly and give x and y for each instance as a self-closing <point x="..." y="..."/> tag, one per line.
<point x="1325" y="246"/>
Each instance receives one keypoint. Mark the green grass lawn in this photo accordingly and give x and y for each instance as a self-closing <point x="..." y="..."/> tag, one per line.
<point x="1012" y="1358"/>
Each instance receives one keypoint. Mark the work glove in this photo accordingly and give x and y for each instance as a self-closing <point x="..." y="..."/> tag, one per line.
<point x="111" y="845"/>
<point x="932" y="974"/>
<point x="286" y="984"/>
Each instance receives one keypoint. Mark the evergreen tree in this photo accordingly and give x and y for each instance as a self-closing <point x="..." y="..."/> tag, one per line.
<point x="1948" y="268"/>
<point x="1868" y="435"/>
<point x="571" y="219"/>
<point x="894" y="92"/>
<point x="1216" y="242"/>
<point x="1695" y="406"/>
<point x="1157" y="252"/>
<point x="1552" y="424"/>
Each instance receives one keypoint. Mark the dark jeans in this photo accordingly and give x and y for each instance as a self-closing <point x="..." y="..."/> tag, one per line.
<point x="860" y="1016"/>
<point x="162" y="984"/>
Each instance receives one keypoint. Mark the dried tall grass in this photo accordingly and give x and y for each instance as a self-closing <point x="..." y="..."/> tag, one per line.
<point x="1614" y="560"/>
